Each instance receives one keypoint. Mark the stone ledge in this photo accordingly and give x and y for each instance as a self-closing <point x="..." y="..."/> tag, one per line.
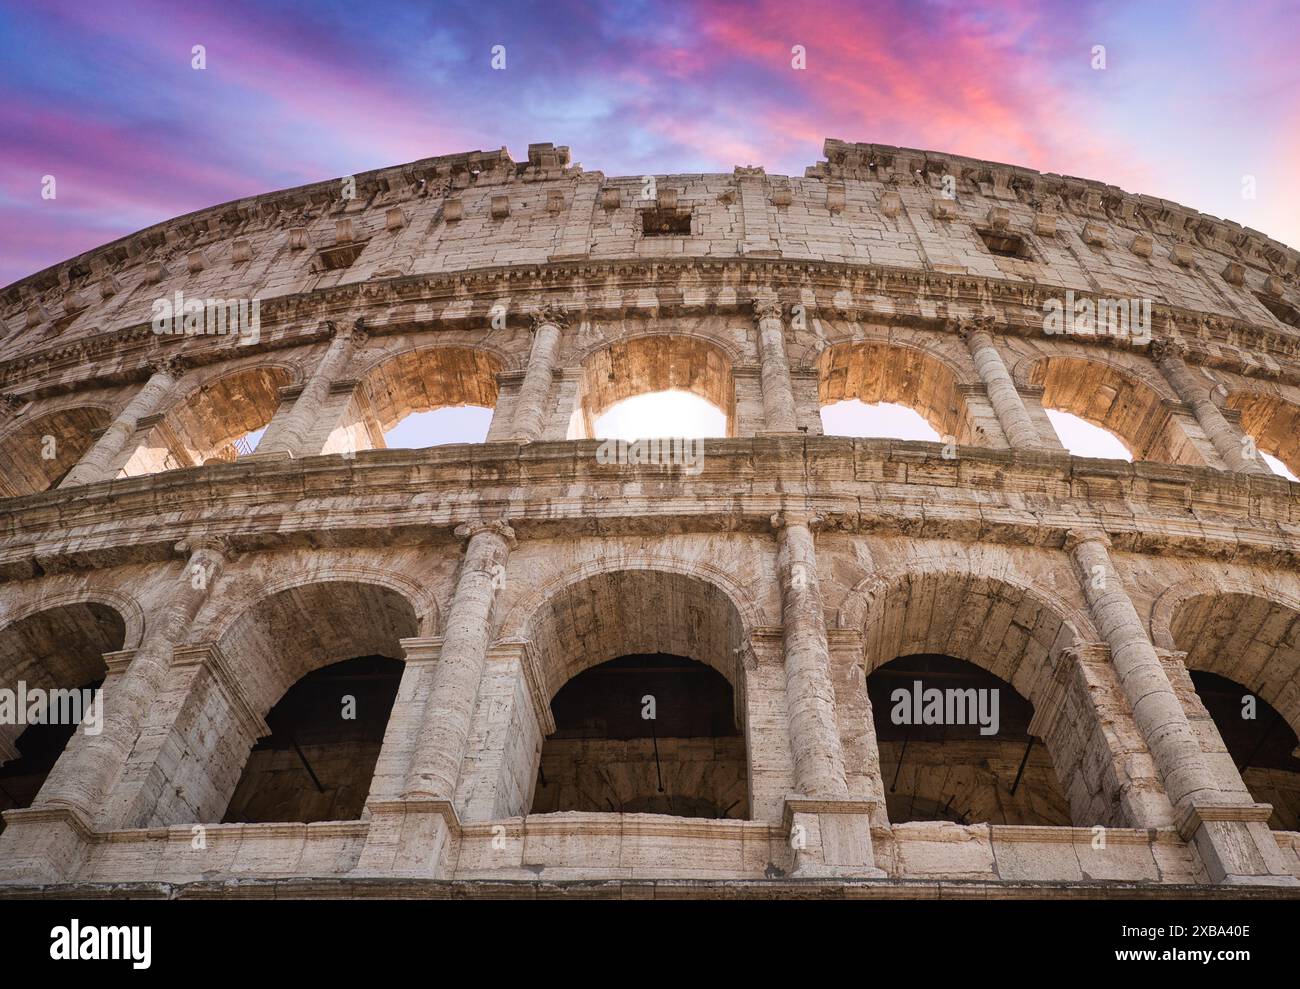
<point x="622" y="889"/>
<point x="382" y="497"/>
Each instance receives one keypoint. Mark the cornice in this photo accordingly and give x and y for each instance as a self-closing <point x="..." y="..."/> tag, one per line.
<point x="386" y="497"/>
<point x="722" y="286"/>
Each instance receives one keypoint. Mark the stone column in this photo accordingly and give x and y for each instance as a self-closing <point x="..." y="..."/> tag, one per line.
<point x="1228" y="831"/>
<point x="287" y="434"/>
<point x="444" y="730"/>
<point x="1159" y="716"/>
<point x="1228" y="442"/>
<point x="829" y="827"/>
<point x="1003" y="396"/>
<point x="778" y="393"/>
<point x="810" y="693"/>
<point x="84" y="775"/>
<point x="531" y="406"/>
<point x="96" y="463"/>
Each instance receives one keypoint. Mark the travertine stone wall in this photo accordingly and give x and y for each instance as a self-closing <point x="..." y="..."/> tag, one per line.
<point x="138" y="544"/>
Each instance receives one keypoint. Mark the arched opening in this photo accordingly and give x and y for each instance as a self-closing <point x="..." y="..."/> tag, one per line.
<point x="678" y="386"/>
<point x="1260" y="743"/>
<point x="956" y="630"/>
<point x="884" y="420"/>
<point x="659" y="414"/>
<point x="218" y="422"/>
<point x="863" y="385"/>
<point x="1121" y="404"/>
<point x="608" y="754"/>
<point x="1243" y="654"/>
<point x="1082" y="439"/>
<point x="326" y="732"/>
<point x="35" y="457"/>
<point x="308" y="677"/>
<point x="647" y="695"/>
<point x="421" y="398"/>
<point x="58" y="649"/>
<point x="1274" y="425"/>
<point x="955" y="745"/>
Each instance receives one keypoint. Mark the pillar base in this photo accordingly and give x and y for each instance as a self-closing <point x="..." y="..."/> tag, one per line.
<point x="1235" y="844"/>
<point x="830" y="838"/>
<point x="43" y="845"/>
<point x="411" y="839"/>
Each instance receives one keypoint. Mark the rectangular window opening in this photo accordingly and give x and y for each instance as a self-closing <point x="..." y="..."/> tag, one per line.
<point x="665" y="223"/>
<point x="1286" y="313"/>
<point x="1006" y="245"/>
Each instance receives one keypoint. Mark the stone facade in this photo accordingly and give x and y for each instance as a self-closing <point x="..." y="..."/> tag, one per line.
<point x="139" y="545"/>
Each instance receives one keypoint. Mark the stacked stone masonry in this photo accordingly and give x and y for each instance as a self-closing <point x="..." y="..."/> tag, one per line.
<point x="142" y="546"/>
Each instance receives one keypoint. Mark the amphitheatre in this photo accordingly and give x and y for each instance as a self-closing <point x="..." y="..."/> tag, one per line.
<point x="331" y="668"/>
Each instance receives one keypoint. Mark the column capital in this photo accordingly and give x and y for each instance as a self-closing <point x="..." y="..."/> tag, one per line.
<point x="788" y="517"/>
<point x="421" y="649"/>
<point x="1165" y="347"/>
<point x="549" y="315"/>
<point x="499" y="527"/>
<point x="355" y="331"/>
<point x="1076" y="537"/>
<point x="766" y="308"/>
<point x="221" y="546"/>
<point x="171" y="364"/>
<point x="117" y="662"/>
<point x="967" y="326"/>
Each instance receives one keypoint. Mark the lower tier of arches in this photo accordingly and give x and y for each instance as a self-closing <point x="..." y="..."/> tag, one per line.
<point x="728" y="705"/>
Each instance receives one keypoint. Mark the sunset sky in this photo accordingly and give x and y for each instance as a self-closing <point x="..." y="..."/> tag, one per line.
<point x="1194" y="98"/>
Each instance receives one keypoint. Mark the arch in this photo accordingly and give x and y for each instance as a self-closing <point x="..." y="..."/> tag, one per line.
<point x="1172" y="599"/>
<point x="643" y="364"/>
<point x="600" y="645"/>
<point x="1116" y="399"/>
<point x="58" y="646"/>
<point x="127" y="608"/>
<point x="206" y="423"/>
<point x="420" y="379"/>
<point x="1046" y="651"/>
<point x="513" y="623"/>
<point x="853" y="612"/>
<point x="421" y="597"/>
<point x="904" y="374"/>
<point x="1033" y="626"/>
<point x="1247" y="635"/>
<point x="269" y="646"/>
<point x="508" y="360"/>
<point x="1272" y="422"/>
<point x="732" y="351"/>
<point x="30" y="463"/>
<point x="593" y="618"/>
